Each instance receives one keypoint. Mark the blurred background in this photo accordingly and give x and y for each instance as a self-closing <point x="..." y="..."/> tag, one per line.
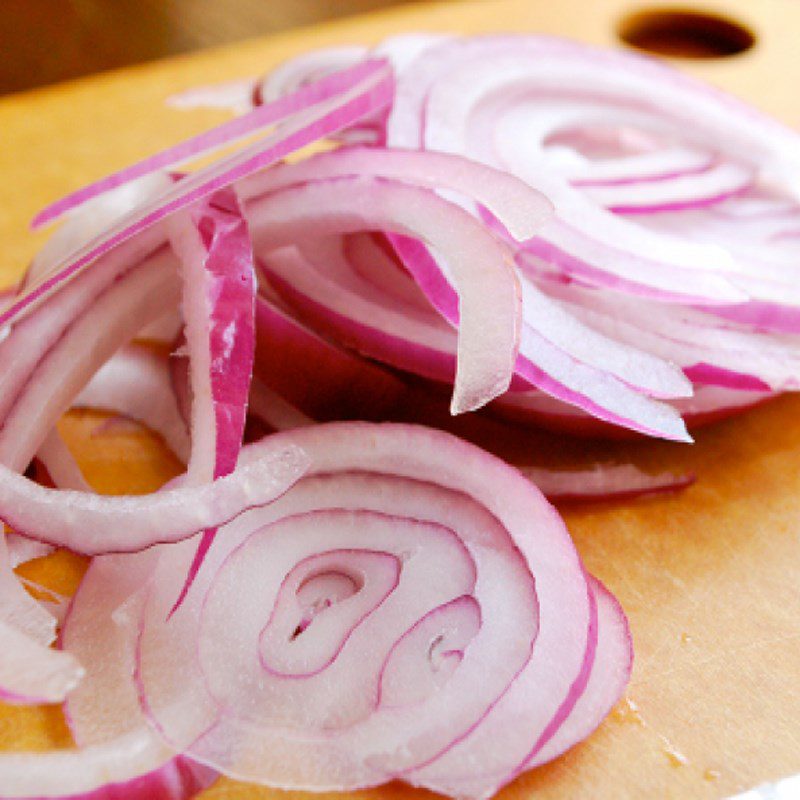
<point x="45" y="41"/>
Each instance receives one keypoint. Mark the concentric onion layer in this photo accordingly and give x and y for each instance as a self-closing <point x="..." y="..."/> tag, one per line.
<point x="407" y="602"/>
<point x="674" y="232"/>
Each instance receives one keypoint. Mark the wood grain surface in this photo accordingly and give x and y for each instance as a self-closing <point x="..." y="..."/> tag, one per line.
<point x="709" y="578"/>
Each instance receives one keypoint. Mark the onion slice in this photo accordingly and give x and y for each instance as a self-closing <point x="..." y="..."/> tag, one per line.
<point x="522" y="210"/>
<point x="603" y="482"/>
<point x="219" y="287"/>
<point x="135" y="382"/>
<point x="369" y="88"/>
<point x="482" y="267"/>
<point x="90" y="524"/>
<point x="346" y="541"/>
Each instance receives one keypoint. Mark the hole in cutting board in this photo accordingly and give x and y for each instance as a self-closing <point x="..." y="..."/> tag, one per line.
<point x="685" y="34"/>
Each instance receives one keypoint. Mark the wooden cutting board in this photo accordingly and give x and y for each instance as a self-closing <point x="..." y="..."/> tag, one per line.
<point x="709" y="578"/>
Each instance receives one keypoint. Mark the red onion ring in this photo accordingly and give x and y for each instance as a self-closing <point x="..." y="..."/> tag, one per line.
<point x="357" y="514"/>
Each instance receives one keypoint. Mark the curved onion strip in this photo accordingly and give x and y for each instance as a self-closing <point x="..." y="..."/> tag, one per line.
<point x="133" y="767"/>
<point x="610" y="674"/>
<point x="213" y="243"/>
<point x="522" y="210"/>
<point x="375" y="328"/>
<point x="375" y="262"/>
<point x="638" y="169"/>
<point x="119" y="755"/>
<point x="660" y="166"/>
<point x="714" y="185"/>
<point x="298" y="72"/>
<point x="453" y="484"/>
<point x="420" y="343"/>
<point x="547" y="326"/>
<point x="18" y="609"/>
<point x="91" y="524"/>
<point x="603" y="482"/>
<point x="113" y="319"/>
<point x="135" y="382"/>
<point x="386" y="281"/>
<point x="60" y="464"/>
<point x="31" y="673"/>
<point x="92" y="218"/>
<point x="227" y="133"/>
<point x="482" y="271"/>
<point x="372" y="324"/>
<point x="370" y="88"/>
<point x="552" y="370"/>
<point x="759" y="241"/>
<point x="732" y="356"/>
<point x="32" y="338"/>
<point x="709" y="403"/>
<point x="236" y="96"/>
<point x="445" y="84"/>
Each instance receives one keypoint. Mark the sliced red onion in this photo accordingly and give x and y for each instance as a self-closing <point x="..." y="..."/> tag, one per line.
<point x="92" y="218"/>
<point x="418" y="342"/>
<point x="60" y="464"/>
<point x="317" y="377"/>
<point x="236" y="96"/>
<point x="305" y="69"/>
<point x="450" y="494"/>
<point x="372" y="325"/>
<point x="135" y="382"/>
<point x="88" y="523"/>
<point x="114" y="318"/>
<point x="134" y="767"/>
<point x="401" y="50"/>
<point x="395" y="339"/>
<point x="369" y="87"/>
<point x="610" y="673"/>
<point x="603" y="482"/>
<point x="373" y="259"/>
<point x="213" y="243"/>
<point x="31" y="673"/>
<point x="709" y="350"/>
<point x="621" y="158"/>
<point x="522" y="210"/>
<point x="256" y="121"/>
<point x="482" y="270"/>
<point x="31" y="340"/>
<point x="551" y="369"/>
<point x="119" y="755"/>
<point x="708" y="404"/>
<point x="444" y="84"/>
<point x="715" y="184"/>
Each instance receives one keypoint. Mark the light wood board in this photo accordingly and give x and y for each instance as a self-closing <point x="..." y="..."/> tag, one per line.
<point x="709" y="578"/>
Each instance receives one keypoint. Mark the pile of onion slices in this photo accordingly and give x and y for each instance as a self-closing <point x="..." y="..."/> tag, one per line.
<point x="537" y="230"/>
